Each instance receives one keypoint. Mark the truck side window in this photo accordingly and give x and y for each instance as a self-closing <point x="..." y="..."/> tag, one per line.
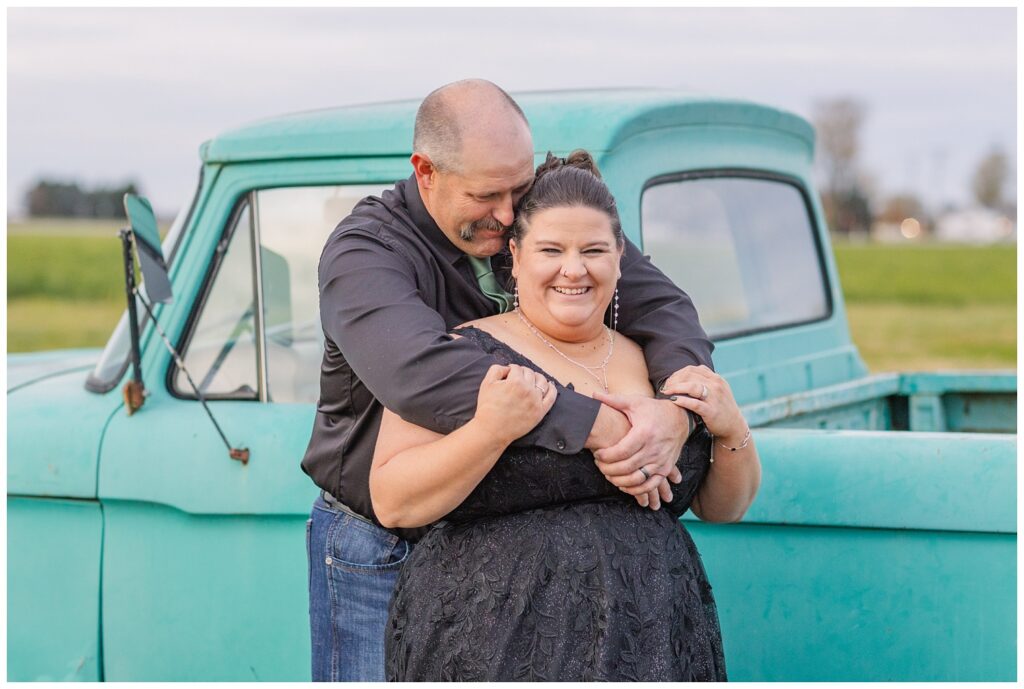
<point x="221" y="351"/>
<point x="292" y="225"/>
<point x="743" y="246"/>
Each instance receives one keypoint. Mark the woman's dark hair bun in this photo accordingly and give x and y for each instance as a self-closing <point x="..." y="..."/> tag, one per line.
<point x="578" y="159"/>
<point x="584" y="161"/>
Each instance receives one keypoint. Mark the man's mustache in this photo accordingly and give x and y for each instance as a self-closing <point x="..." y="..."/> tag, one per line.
<point x="469" y="230"/>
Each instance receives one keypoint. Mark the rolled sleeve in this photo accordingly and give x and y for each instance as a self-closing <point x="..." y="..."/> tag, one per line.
<point x="395" y="343"/>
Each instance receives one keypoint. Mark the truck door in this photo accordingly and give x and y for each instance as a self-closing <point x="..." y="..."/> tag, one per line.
<point x="205" y="572"/>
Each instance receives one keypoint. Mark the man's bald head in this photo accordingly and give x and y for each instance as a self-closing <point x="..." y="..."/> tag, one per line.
<point x="467" y="110"/>
<point x="473" y="160"/>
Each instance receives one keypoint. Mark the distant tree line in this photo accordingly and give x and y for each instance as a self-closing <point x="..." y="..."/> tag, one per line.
<point x="49" y="198"/>
<point x="847" y="195"/>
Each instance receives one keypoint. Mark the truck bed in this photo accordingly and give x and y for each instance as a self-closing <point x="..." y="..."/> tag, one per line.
<point x="958" y="402"/>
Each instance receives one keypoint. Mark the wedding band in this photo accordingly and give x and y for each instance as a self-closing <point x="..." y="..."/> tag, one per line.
<point x="704" y="391"/>
<point x="542" y="390"/>
<point x="647" y="477"/>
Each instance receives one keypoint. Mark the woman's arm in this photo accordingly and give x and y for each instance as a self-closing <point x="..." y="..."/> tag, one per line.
<point x="418" y="476"/>
<point x="731" y="483"/>
<point x="734" y="477"/>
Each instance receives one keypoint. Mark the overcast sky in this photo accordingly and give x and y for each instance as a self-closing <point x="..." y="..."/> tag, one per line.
<point x="105" y="95"/>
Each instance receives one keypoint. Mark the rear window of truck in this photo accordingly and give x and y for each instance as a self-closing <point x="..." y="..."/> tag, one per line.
<point x="743" y="245"/>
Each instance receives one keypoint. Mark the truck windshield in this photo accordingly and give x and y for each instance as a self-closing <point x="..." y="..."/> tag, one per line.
<point x="114" y="359"/>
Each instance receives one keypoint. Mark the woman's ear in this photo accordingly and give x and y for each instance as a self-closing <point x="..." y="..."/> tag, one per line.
<point x="514" y="250"/>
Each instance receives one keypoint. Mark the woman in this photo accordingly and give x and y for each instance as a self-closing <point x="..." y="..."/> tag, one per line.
<point x="542" y="567"/>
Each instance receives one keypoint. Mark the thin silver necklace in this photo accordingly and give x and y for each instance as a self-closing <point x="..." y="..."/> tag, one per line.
<point x="602" y="367"/>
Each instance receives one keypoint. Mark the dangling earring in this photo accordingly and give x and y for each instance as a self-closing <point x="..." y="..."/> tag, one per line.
<point x="515" y="297"/>
<point x="615" y="311"/>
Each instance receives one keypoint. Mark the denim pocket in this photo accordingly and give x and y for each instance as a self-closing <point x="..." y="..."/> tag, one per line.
<point x="359" y="546"/>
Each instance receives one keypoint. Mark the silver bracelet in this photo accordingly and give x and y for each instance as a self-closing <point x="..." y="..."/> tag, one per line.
<point x="746" y="441"/>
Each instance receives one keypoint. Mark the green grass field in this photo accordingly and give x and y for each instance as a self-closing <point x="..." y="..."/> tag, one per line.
<point x="64" y="285"/>
<point x="77" y="268"/>
<point x="909" y="307"/>
<point x="939" y="274"/>
<point x="931" y="306"/>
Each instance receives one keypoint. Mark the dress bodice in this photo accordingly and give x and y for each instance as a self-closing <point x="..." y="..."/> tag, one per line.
<point x="531" y="477"/>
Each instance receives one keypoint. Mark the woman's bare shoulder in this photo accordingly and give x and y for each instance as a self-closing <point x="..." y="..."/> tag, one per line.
<point x="631" y="349"/>
<point x="632" y="359"/>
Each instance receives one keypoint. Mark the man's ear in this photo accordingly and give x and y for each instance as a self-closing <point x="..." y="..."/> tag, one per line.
<point x="424" y="170"/>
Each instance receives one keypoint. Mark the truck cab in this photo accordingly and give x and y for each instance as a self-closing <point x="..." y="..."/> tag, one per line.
<point x="882" y="545"/>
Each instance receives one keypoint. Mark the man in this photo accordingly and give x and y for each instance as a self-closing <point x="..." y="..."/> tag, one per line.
<point x="395" y="276"/>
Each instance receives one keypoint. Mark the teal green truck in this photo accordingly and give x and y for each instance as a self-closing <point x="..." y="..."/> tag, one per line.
<point x="882" y="545"/>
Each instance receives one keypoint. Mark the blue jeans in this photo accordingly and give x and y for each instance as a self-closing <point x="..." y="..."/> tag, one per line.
<point x="353" y="566"/>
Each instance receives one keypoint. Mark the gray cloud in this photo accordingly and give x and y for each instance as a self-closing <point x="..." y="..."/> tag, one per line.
<point x="102" y="95"/>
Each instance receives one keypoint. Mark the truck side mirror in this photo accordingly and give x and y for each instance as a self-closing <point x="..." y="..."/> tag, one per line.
<point x="142" y="221"/>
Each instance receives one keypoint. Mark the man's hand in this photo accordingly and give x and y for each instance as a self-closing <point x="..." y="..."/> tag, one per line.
<point x="649" y="451"/>
<point x="610" y="427"/>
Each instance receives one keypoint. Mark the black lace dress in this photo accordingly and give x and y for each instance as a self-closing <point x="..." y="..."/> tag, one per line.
<point x="548" y="572"/>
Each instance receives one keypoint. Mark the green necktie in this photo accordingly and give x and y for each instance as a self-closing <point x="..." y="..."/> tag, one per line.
<point x="489" y="283"/>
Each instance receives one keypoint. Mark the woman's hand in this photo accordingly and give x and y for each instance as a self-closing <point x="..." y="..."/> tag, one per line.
<point x="706" y="394"/>
<point x="512" y="400"/>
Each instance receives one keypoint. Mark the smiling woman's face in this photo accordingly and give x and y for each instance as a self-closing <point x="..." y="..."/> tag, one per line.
<point x="566" y="267"/>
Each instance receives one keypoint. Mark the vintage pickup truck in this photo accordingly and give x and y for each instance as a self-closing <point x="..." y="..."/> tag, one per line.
<point x="882" y="545"/>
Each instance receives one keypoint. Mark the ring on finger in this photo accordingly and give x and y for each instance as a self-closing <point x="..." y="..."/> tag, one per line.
<point x="543" y="391"/>
<point x="647" y="476"/>
<point x="703" y="391"/>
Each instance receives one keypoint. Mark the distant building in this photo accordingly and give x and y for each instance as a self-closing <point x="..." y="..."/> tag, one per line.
<point x="975" y="225"/>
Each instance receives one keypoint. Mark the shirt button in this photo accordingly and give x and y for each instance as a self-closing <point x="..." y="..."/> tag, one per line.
<point x="328" y="561"/>
<point x="560" y="444"/>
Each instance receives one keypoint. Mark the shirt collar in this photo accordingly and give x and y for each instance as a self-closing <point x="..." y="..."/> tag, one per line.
<point x="426" y="223"/>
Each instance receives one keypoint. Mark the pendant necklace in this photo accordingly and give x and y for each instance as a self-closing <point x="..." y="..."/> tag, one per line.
<point x="602" y="367"/>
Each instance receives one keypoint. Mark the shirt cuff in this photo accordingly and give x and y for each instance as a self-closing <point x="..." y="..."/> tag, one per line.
<point x="567" y="426"/>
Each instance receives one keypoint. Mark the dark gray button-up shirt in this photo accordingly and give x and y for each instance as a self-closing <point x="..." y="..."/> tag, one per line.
<point x="391" y="287"/>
